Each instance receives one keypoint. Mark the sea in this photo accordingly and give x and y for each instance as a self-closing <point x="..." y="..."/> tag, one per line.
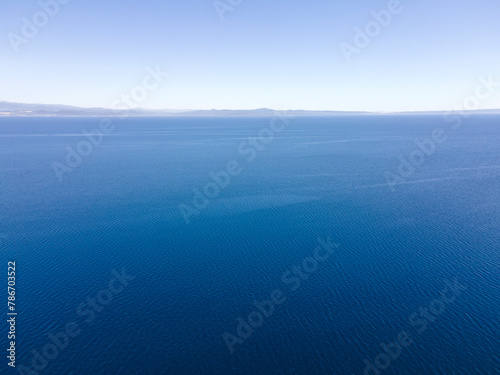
<point x="251" y="245"/>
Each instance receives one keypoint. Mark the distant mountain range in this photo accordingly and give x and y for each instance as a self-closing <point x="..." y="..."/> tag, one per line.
<point x="24" y="109"/>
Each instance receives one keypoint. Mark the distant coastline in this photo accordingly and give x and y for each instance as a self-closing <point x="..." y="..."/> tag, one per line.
<point x="10" y="109"/>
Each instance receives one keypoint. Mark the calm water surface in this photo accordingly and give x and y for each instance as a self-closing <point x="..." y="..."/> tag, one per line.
<point x="119" y="208"/>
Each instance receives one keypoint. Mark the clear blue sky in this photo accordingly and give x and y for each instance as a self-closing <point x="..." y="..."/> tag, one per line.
<point x="282" y="54"/>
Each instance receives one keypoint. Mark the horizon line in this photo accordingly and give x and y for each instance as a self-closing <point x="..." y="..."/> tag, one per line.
<point x="242" y="109"/>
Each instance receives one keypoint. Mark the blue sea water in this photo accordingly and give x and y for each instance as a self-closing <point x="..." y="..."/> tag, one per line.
<point x="317" y="177"/>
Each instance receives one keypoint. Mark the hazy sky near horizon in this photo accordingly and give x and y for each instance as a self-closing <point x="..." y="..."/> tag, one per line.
<point x="282" y="54"/>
